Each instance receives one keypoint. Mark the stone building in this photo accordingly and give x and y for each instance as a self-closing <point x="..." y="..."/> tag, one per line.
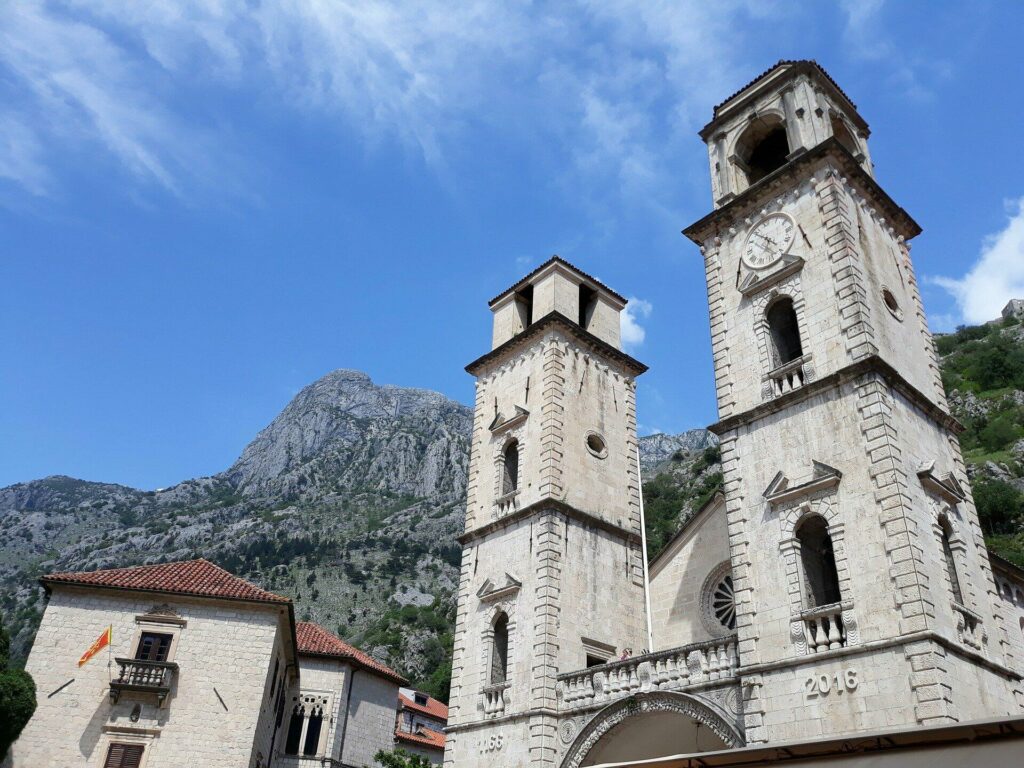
<point x="203" y="669"/>
<point x="420" y="725"/>
<point x="838" y="588"/>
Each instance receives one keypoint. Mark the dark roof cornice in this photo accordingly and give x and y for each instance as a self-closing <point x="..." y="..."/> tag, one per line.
<point x="831" y="148"/>
<point x="796" y="67"/>
<point x="557" y="260"/>
<point x="560" y="321"/>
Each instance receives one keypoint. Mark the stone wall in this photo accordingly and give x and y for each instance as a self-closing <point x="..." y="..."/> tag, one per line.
<point x="371" y="718"/>
<point x="215" y="715"/>
<point x="679" y="578"/>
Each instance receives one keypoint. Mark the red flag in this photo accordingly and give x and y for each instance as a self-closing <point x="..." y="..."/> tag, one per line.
<point x="101" y="642"/>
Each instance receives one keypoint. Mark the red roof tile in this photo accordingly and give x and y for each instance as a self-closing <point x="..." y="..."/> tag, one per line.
<point x="434" y="708"/>
<point x="200" y="578"/>
<point x="423" y="736"/>
<point x="314" y="640"/>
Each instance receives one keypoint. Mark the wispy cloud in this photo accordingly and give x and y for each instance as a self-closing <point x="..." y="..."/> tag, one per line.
<point x="119" y="76"/>
<point x="998" y="274"/>
<point x="633" y="333"/>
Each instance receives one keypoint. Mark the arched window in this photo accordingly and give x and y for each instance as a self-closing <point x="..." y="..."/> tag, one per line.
<point x="316" y="721"/>
<point x="763" y="148"/>
<point x="785" y="331"/>
<point x="821" y="581"/>
<point x="291" y="744"/>
<point x="510" y="468"/>
<point x="499" y="651"/>
<point x="947" y="553"/>
<point x="842" y="133"/>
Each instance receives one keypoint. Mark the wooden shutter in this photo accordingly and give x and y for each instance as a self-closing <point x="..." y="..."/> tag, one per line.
<point x="124" y="756"/>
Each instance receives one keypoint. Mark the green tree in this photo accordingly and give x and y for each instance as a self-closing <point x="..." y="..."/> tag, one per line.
<point x="1000" y="506"/>
<point x="17" y="697"/>
<point x="399" y="758"/>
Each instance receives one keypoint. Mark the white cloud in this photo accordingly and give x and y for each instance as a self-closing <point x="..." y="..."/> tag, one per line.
<point x="121" y="75"/>
<point x="633" y="332"/>
<point x="998" y="274"/>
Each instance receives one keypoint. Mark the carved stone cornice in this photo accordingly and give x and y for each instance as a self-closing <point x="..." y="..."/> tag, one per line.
<point x="868" y="365"/>
<point x="554" y="320"/>
<point x="797" y="170"/>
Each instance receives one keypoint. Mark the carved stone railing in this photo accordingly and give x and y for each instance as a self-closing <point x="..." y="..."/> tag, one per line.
<point x="494" y="699"/>
<point x="674" y="669"/>
<point x="788" y="377"/>
<point x="969" y="627"/>
<point x="506" y="504"/>
<point x="137" y="676"/>
<point x="824" y="628"/>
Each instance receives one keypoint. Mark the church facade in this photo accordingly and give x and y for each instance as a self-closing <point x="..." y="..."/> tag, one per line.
<point x="839" y="586"/>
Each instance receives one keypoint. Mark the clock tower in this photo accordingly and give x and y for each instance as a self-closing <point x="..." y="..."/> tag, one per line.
<point x="864" y="595"/>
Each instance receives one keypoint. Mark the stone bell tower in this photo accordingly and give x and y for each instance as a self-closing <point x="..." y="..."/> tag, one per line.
<point x="863" y="590"/>
<point x="552" y="570"/>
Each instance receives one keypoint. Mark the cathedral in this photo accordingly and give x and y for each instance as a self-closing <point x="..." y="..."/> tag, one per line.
<point x="837" y="596"/>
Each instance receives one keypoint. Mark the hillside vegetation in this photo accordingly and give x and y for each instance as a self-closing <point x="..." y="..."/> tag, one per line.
<point x="983" y="372"/>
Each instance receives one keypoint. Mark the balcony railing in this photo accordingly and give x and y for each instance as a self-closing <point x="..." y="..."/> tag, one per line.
<point x="506" y="504"/>
<point x="494" y="699"/>
<point x="787" y="377"/>
<point x="823" y="628"/>
<point x="137" y="676"/>
<point x="968" y="627"/>
<point x="673" y="669"/>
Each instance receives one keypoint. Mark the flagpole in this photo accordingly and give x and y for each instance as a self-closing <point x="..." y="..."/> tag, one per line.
<point x="643" y="547"/>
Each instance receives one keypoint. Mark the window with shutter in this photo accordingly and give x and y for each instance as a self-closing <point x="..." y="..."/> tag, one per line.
<point x="124" y="756"/>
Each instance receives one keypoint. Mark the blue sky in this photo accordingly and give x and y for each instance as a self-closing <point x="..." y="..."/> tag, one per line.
<point x="204" y="206"/>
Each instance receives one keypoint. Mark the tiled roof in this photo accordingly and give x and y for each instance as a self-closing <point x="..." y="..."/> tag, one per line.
<point x="314" y="640"/>
<point x="423" y="737"/>
<point x="434" y="708"/>
<point x="558" y="260"/>
<point x="199" y="578"/>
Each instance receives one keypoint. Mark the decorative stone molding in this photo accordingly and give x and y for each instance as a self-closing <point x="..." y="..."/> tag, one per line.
<point x="494" y="697"/>
<point x="714" y="586"/>
<point x="614" y="714"/>
<point x="773" y="371"/>
<point x="807" y="623"/>
<point x="491" y="591"/>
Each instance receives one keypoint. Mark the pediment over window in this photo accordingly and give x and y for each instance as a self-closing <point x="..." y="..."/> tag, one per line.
<point x="944" y="486"/>
<point x="498" y="589"/>
<point x="754" y="282"/>
<point x="501" y="423"/>
<point x="161" y="614"/>
<point x="781" y="488"/>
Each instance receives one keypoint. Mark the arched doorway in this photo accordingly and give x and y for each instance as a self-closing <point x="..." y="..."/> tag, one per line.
<point x="651" y="725"/>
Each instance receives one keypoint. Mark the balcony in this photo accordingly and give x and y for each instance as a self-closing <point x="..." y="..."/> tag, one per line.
<point x="676" y="669"/>
<point x="786" y="378"/>
<point x="968" y="627"/>
<point x="506" y="504"/>
<point x="494" y="700"/>
<point x="823" y="628"/>
<point x="148" y="677"/>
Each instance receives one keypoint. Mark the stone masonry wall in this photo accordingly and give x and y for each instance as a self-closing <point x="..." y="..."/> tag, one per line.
<point x="209" y="720"/>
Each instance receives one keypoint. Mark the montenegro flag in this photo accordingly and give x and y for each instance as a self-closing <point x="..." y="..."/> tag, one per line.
<point x="101" y="642"/>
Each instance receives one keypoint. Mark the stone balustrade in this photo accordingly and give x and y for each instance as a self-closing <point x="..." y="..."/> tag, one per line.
<point x="494" y="700"/>
<point x="138" y="676"/>
<point x="674" y="669"/>
<point x="787" y="377"/>
<point x="968" y="627"/>
<point x="506" y="504"/>
<point x="823" y="628"/>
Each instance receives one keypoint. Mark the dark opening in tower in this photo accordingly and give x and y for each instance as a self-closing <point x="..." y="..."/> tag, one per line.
<point x="784" y="330"/>
<point x="821" y="581"/>
<point x="763" y="148"/>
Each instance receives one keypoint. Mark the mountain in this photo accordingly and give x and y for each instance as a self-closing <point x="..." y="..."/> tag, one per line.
<point x="349" y="501"/>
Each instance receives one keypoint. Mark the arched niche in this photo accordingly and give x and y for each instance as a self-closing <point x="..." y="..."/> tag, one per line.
<point x="649" y="726"/>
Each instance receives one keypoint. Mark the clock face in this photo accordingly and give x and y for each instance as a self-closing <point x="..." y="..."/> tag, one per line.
<point x="768" y="241"/>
